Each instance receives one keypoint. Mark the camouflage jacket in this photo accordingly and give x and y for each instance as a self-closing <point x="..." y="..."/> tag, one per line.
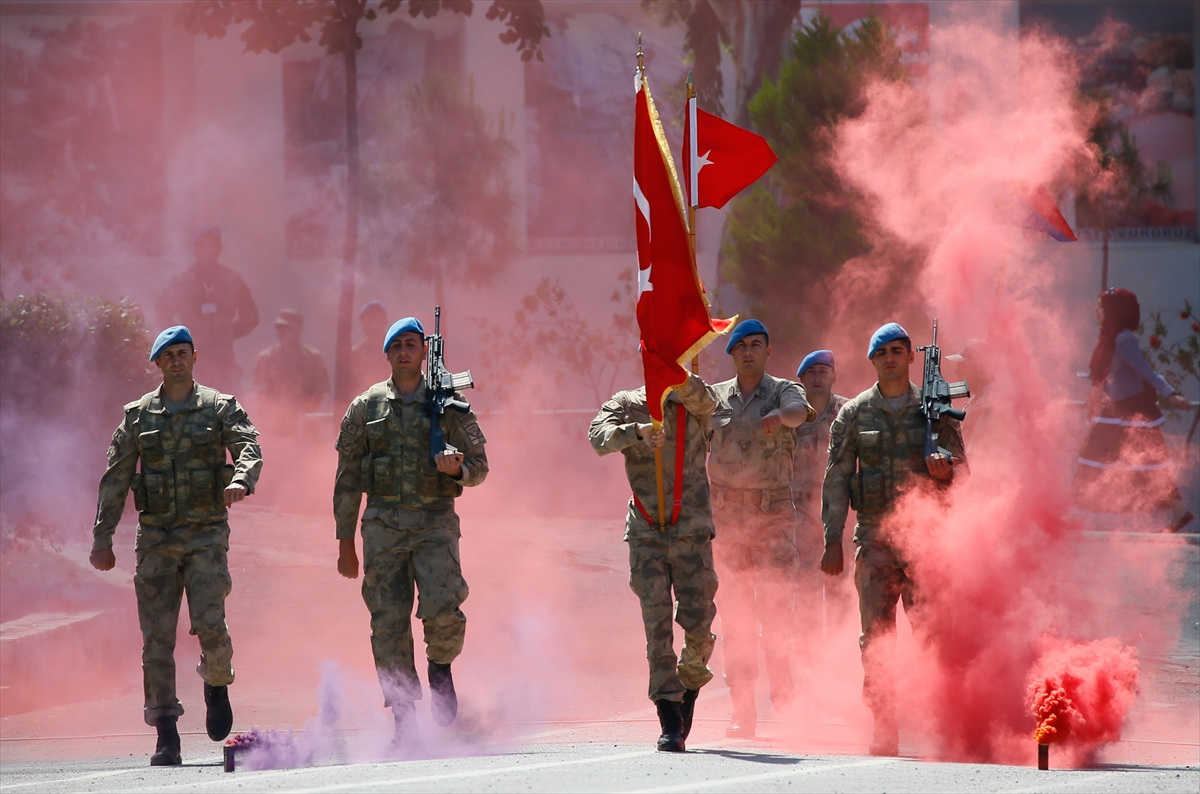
<point x="873" y="454"/>
<point x="812" y="456"/>
<point x="383" y="451"/>
<point x="183" y="465"/>
<point x="615" y="430"/>
<point x="741" y="454"/>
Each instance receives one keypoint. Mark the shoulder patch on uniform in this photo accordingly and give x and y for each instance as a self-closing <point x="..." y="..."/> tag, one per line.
<point x="118" y="439"/>
<point x="470" y="426"/>
<point x="348" y="435"/>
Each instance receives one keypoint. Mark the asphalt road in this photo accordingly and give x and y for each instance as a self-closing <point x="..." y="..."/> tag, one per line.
<point x="720" y="766"/>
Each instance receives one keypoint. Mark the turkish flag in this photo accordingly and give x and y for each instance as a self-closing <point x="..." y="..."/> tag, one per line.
<point x="672" y="309"/>
<point x="721" y="159"/>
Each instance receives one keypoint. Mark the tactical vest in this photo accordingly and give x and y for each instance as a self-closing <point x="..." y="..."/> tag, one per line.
<point x="890" y="450"/>
<point x="181" y="481"/>
<point x="396" y="471"/>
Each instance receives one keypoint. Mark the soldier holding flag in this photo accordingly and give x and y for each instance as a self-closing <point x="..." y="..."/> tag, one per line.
<point x="668" y="523"/>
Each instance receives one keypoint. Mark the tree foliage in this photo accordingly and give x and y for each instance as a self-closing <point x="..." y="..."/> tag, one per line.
<point x="271" y="26"/>
<point x="549" y="332"/>
<point x="799" y="225"/>
<point x="1118" y="182"/>
<point x="753" y="33"/>
<point x="436" y="192"/>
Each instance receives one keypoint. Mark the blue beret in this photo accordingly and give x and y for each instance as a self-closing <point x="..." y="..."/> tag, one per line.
<point x="371" y="306"/>
<point x="172" y="336"/>
<point x="400" y="327"/>
<point x="816" y="357"/>
<point x="886" y="333"/>
<point x="743" y="330"/>
<point x="207" y="231"/>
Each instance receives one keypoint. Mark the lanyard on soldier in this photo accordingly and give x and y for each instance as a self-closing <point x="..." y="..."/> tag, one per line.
<point x="680" y="439"/>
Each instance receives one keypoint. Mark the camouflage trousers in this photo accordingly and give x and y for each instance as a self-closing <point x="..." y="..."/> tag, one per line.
<point x="882" y="581"/>
<point x="821" y="601"/>
<point x="755" y="552"/>
<point x="658" y="565"/>
<point x="162" y="576"/>
<point x="405" y="550"/>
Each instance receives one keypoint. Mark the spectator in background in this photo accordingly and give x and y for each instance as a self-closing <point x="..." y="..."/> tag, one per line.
<point x="368" y="365"/>
<point x="1125" y="466"/>
<point x="290" y="376"/>
<point x="971" y="365"/>
<point x="216" y="304"/>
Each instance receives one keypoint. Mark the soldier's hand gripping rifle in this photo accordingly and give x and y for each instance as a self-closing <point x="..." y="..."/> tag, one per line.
<point x="440" y="388"/>
<point x="936" y="395"/>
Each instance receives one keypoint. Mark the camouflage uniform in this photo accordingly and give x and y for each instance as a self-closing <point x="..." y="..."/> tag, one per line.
<point x="874" y="453"/>
<point x="808" y="471"/>
<point x="182" y="532"/>
<point x="679" y="556"/>
<point x="410" y="530"/>
<point x="755" y="552"/>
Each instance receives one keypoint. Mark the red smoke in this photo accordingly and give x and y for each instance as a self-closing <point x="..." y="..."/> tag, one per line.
<point x="1080" y="693"/>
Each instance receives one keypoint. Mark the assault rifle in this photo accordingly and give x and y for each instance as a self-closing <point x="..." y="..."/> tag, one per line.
<point x="440" y="388"/>
<point x="936" y="395"/>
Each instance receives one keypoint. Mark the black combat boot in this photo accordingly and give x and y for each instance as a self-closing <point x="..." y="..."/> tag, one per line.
<point x="689" y="709"/>
<point x="443" y="702"/>
<point x="405" y="713"/>
<point x="219" y="719"/>
<point x="670" y="717"/>
<point x="166" y="752"/>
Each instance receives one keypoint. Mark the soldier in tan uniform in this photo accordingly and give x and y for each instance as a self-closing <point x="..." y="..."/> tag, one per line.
<point x="675" y="557"/>
<point x="876" y="452"/>
<point x="180" y="433"/>
<point x="410" y="530"/>
<point x="817" y="373"/>
<point x="750" y="465"/>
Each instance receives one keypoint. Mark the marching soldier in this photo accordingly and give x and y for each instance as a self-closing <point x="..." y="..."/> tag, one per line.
<point x="180" y="432"/>
<point x="410" y="529"/>
<point x="675" y="557"/>
<point x="750" y="464"/>
<point x="876" y="450"/>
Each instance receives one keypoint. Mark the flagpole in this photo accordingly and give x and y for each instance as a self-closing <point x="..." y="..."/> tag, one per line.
<point x="691" y="175"/>
<point x="654" y="423"/>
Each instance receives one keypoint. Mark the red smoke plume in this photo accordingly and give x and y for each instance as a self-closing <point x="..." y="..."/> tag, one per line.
<point x="1081" y="693"/>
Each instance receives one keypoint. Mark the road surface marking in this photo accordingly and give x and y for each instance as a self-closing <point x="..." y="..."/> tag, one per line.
<point x="729" y="781"/>
<point x="92" y="776"/>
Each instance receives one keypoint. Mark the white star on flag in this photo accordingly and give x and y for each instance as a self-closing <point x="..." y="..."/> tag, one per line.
<point x="644" y="284"/>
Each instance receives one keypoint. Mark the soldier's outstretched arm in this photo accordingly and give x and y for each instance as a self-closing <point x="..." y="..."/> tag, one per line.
<point x="114" y="490"/>
<point x="613" y="429"/>
<point x="835" y="492"/>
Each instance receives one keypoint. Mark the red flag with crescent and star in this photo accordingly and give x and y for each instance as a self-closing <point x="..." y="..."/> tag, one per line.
<point x="720" y="159"/>
<point x="672" y="308"/>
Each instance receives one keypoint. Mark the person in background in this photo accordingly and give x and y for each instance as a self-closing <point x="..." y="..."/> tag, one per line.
<point x="367" y="365"/>
<point x="1125" y="466"/>
<point x="216" y="304"/>
<point x="290" y="376"/>
<point x="817" y="373"/>
<point x="181" y="433"/>
<point x="972" y="365"/>
<point x="876" y="451"/>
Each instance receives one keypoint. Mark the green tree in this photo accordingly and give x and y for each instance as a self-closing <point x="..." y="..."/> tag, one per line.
<point x="753" y="33"/>
<point x="1117" y="182"/>
<point x="271" y="25"/>
<point x="792" y="233"/>
<point x="438" y="199"/>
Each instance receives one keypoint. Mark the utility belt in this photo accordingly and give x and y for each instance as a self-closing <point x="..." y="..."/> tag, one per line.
<point x="763" y="497"/>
